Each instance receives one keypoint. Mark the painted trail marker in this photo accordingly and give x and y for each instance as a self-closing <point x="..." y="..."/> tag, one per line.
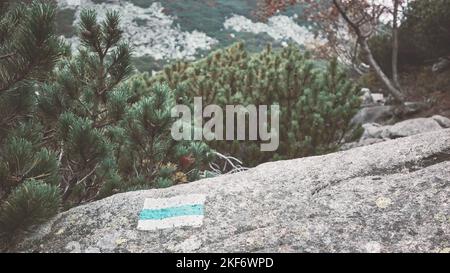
<point x="178" y="211"/>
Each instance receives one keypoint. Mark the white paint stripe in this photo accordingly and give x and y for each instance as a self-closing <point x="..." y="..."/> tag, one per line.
<point x="190" y="220"/>
<point x="176" y="201"/>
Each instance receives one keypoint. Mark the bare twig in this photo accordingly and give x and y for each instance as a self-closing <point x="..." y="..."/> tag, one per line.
<point x="230" y="163"/>
<point x="7" y="56"/>
<point x="89" y="174"/>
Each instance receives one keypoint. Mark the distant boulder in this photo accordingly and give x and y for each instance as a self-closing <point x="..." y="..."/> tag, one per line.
<point x="374" y="114"/>
<point x="413" y="127"/>
<point x="443" y="121"/>
<point x="442" y="65"/>
<point x="375" y="133"/>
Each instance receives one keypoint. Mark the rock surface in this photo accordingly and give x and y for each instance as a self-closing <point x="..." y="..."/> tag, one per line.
<point x="374" y="114"/>
<point x="149" y="30"/>
<point x="389" y="197"/>
<point x="413" y="127"/>
<point x="385" y="114"/>
<point x="443" y="121"/>
<point x="371" y="99"/>
<point x="163" y="31"/>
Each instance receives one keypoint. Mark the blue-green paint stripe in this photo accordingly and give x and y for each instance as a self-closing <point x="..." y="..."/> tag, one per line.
<point x="158" y="214"/>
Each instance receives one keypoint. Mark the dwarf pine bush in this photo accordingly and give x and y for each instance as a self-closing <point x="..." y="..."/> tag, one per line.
<point x="77" y="128"/>
<point x="112" y="132"/>
<point x="30" y="203"/>
<point x="28" y="170"/>
<point x="316" y="104"/>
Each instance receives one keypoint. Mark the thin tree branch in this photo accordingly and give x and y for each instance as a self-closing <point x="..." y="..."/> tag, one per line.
<point x="7" y="56"/>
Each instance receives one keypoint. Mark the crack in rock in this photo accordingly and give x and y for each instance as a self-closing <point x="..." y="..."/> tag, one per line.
<point x="411" y="166"/>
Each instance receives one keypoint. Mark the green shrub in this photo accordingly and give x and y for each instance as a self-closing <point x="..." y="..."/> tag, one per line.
<point x="316" y="104"/>
<point x="84" y="130"/>
<point x="112" y="131"/>
<point x="29" y="173"/>
<point x="31" y="203"/>
<point x="147" y="154"/>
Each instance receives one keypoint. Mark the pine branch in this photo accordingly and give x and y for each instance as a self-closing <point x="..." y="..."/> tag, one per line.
<point x="19" y="76"/>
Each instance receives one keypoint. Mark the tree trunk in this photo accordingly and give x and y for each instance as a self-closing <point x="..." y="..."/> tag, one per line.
<point x="362" y="39"/>
<point x="380" y="74"/>
<point x="395" y="45"/>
